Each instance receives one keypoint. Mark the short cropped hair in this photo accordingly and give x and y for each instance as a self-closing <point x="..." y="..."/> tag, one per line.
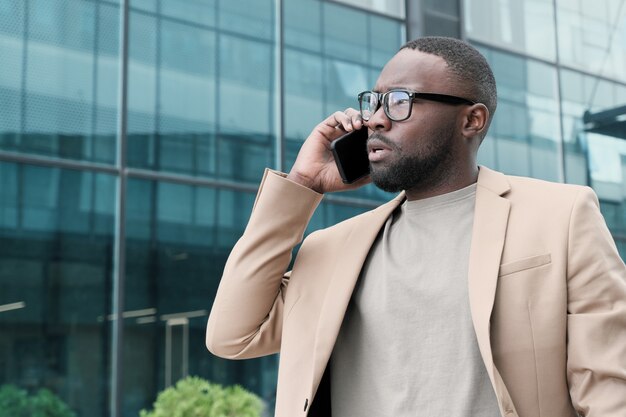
<point x="466" y="64"/>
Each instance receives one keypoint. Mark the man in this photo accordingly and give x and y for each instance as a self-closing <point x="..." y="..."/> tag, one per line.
<point x="470" y="294"/>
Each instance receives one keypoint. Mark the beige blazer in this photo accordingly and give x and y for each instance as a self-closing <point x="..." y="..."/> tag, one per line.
<point x="547" y="293"/>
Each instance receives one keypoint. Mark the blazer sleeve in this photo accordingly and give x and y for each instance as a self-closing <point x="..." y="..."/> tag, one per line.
<point x="247" y="314"/>
<point x="596" y="361"/>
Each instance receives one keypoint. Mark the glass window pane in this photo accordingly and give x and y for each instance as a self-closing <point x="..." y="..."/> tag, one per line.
<point x="316" y="85"/>
<point x="107" y="81"/>
<point x="245" y="94"/>
<point x="582" y="93"/>
<point x="607" y="166"/>
<point x="144" y="5"/>
<point x="304" y="94"/>
<point x="202" y="12"/>
<point x="245" y="109"/>
<point x="339" y="42"/>
<point x="59" y="75"/>
<point x="344" y="81"/>
<point x="187" y="92"/>
<point x="394" y="8"/>
<point x="12" y="19"/>
<point x="142" y="56"/>
<point x="250" y="17"/>
<point x="591" y="36"/>
<point x="59" y="97"/>
<point x="178" y="73"/>
<point x="11" y="54"/>
<point x="448" y="7"/>
<point x="436" y="25"/>
<point x="173" y="114"/>
<point x="302" y="24"/>
<point x="524" y="26"/>
<point x="386" y="38"/>
<point x="56" y="230"/>
<point x="173" y="272"/>
<point x="524" y="135"/>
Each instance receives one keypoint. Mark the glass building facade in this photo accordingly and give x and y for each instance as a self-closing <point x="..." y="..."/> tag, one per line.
<point x="133" y="136"/>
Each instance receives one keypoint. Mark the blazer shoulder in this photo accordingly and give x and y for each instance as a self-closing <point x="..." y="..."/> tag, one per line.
<point x="525" y="186"/>
<point x="534" y="194"/>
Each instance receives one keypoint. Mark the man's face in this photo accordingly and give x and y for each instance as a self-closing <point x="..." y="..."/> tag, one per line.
<point x="418" y="152"/>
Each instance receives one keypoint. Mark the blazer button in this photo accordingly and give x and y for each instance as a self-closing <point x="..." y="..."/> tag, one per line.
<point x="306" y="403"/>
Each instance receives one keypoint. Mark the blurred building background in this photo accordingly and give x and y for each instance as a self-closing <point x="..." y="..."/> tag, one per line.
<point x="216" y="91"/>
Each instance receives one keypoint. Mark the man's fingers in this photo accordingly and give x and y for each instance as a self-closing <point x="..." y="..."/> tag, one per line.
<point x="343" y="121"/>
<point x="355" y="118"/>
<point x="351" y="119"/>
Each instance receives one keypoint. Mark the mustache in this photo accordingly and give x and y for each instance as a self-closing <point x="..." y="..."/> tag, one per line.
<point x="384" y="139"/>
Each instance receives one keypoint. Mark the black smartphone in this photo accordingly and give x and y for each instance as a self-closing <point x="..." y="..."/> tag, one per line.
<point x="350" y="152"/>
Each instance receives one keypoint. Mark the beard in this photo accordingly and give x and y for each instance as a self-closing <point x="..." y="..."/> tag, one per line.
<point x="413" y="171"/>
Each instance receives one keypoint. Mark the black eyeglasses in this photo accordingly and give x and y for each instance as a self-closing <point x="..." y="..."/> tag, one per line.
<point x="398" y="104"/>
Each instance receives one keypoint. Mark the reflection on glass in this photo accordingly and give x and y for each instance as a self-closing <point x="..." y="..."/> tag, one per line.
<point x="245" y="93"/>
<point x="524" y="26"/>
<point x="581" y="93"/>
<point x="591" y="36"/>
<point x="606" y="159"/>
<point x="186" y="101"/>
<point x="450" y="8"/>
<point x="197" y="105"/>
<point x="56" y="241"/>
<point x="385" y="40"/>
<point x="316" y="85"/>
<point x="56" y="104"/>
<point x="525" y="132"/>
<point x="607" y="166"/>
<point x="248" y="17"/>
<point x="179" y="237"/>
<point x="197" y="11"/>
<point x="302" y="24"/>
<point x="303" y="95"/>
<point x="142" y="74"/>
<point x="341" y="43"/>
<point x="395" y="8"/>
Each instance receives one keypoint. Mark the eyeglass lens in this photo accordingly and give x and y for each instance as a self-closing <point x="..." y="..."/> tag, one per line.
<point x="369" y="104"/>
<point x="397" y="104"/>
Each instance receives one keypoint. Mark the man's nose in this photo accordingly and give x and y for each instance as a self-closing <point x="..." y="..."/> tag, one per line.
<point x="379" y="120"/>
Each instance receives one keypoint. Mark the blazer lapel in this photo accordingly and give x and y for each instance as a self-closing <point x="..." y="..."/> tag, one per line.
<point x="490" y="222"/>
<point x="346" y="273"/>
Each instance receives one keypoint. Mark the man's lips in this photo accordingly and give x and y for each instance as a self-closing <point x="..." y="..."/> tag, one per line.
<point x="377" y="150"/>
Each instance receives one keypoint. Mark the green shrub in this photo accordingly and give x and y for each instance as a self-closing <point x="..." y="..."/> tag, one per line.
<point x="15" y="402"/>
<point x="196" y="397"/>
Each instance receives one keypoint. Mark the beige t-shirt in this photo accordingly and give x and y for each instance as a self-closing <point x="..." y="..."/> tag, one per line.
<point x="407" y="345"/>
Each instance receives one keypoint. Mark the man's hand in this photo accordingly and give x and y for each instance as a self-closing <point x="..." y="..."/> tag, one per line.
<point x="315" y="166"/>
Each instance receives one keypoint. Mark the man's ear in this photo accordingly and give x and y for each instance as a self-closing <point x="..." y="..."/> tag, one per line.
<point x="475" y="121"/>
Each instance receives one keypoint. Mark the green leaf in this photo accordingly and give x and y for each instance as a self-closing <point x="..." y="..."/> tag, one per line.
<point x="15" y="402"/>
<point x="197" y="397"/>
